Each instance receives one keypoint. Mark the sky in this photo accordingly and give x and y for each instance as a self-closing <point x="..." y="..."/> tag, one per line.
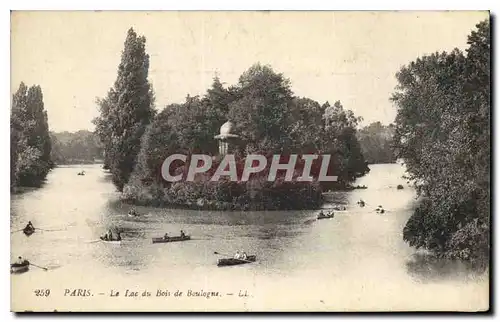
<point x="347" y="56"/>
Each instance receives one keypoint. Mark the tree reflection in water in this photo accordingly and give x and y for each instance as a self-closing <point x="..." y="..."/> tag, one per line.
<point x="427" y="267"/>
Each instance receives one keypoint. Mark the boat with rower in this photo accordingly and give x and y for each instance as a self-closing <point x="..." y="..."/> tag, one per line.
<point x="17" y="268"/>
<point x="112" y="241"/>
<point x="28" y="231"/>
<point x="170" y="239"/>
<point x="133" y="214"/>
<point x="321" y="216"/>
<point x="235" y="261"/>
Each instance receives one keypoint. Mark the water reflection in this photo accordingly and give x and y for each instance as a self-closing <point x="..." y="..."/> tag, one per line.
<point x="426" y="267"/>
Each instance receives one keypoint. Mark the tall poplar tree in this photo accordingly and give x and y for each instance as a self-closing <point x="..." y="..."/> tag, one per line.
<point x="127" y="110"/>
<point x="30" y="139"/>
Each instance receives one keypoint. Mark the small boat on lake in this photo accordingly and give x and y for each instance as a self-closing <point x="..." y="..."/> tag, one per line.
<point x="133" y="213"/>
<point x="170" y="239"/>
<point x="234" y="261"/>
<point x="323" y="216"/>
<point x="112" y="241"/>
<point x="28" y="231"/>
<point x="17" y="268"/>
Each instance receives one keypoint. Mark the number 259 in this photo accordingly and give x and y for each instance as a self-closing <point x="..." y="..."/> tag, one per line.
<point x="42" y="292"/>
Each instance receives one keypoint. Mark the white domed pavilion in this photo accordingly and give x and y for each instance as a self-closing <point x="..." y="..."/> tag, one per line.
<point x="227" y="139"/>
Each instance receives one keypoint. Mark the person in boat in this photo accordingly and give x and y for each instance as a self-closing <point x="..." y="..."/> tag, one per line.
<point x="118" y="236"/>
<point x="244" y="256"/>
<point x="29" y="226"/>
<point x="321" y="214"/>
<point x="237" y="255"/>
<point x="20" y="260"/>
<point x="183" y="234"/>
<point x="166" y="236"/>
<point x="110" y="235"/>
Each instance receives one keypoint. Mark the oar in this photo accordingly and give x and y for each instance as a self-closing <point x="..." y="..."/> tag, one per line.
<point x="94" y="241"/>
<point x="44" y="268"/>
<point x="232" y="257"/>
<point x="16" y="231"/>
<point x="50" y="229"/>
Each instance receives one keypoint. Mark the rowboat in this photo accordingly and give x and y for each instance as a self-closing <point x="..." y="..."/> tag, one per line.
<point x="234" y="261"/>
<point x="117" y="242"/>
<point x="325" y="216"/>
<point x="170" y="239"/>
<point x="17" y="268"/>
<point x="28" y="231"/>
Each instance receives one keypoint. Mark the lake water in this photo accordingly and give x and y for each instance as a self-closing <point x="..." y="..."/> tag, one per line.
<point x="355" y="261"/>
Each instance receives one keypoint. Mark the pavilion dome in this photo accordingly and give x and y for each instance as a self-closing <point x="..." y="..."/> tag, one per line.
<point x="226" y="131"/>
<point x="227" y="128"/>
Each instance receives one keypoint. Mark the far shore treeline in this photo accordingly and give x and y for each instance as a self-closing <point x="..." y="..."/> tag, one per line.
<point x="441" y="132"/>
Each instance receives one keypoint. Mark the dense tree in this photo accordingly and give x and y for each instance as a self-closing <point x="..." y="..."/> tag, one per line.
<point x="15" y="133"/>
<point x="442" y="133"/>
<point x="127" y="110"/>
<point x="376" y="142"/>
<point x="339" y="140"/>
<point x="183" y="128"/>
<point x="261" y="110"/>
<point x="30" y="140"/>
<point x="103" y="125"/>
<point x="74" y="148"/>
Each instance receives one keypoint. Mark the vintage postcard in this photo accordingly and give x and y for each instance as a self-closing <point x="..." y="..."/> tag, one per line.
<point x="229" y="161"/>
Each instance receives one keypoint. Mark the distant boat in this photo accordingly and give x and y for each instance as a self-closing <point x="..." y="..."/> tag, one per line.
<point x="325" y="216"/>
<point x="170" y="239"/>
<point x="133" y="214"/>
<point x="28" y="231"/>
<point x="234" y="261"/>
<point x="17" y="268"/>
<point x="81" y="173"/>
<point x="113" y="241"/>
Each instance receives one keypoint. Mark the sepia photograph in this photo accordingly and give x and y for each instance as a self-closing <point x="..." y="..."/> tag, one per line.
<point x="250" y="161"/>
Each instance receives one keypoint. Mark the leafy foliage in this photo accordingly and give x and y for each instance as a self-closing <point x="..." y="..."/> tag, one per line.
<point x="30" y="140"/>
<point x="127" y="110"/>
<point x="75" y="148"/>
<point x="377" y="143"/>
<point x="443" y="134"/>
